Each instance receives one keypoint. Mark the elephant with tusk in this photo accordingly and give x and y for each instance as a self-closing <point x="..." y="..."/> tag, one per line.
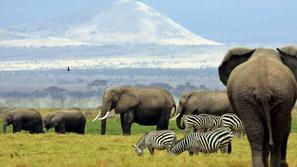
<point x="145" y="106"/>
<point x="262" y="88"/>
<point x="202" y="102"/>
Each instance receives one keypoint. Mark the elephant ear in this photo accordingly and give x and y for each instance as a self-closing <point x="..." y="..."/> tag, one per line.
<point x="127" y="99"/>
<point x="184" y="98"/>
<point x="289" y="57"/>
<point x="233" y="58"/>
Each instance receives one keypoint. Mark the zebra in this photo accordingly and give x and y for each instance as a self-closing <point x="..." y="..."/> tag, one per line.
<point x="233" y="123"/>
<point x="162" y="139"/>
<point x="205" y="122"/>
<point x="205" y="142"/>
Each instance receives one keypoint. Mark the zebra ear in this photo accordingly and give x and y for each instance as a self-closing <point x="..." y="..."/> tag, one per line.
<point x="133" y="145"/>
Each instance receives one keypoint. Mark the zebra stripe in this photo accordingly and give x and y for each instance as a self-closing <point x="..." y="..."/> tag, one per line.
<point x="232" y="122"/>
<point x="162" y="139"/>
<point x="207" y="142"/>
<point x="202" y="122"/>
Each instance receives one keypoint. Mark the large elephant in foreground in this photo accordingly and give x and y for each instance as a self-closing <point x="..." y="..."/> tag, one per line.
<point x="202" y="102"/>
<point x="23" y="119"/>
<point x="261" y="85"/>
<point x="63" y="121"/>
<point x="145" y="106"/>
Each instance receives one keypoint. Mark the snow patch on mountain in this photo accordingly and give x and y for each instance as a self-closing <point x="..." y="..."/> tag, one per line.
<point x="117" y="22"/>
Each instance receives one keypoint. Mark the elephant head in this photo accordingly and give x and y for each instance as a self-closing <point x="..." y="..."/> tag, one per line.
<point x="120" y="99"/>
<point x="7" y="120"/>
<point x="50" y="121"/>
<point x="182" y="109"/>
<point x="238" y="55"/>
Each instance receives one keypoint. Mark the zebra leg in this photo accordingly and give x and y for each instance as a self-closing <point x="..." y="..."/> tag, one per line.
<point x="151" y="149"/>
<point x="191" y="153"/>
<point x="229" y="147"/>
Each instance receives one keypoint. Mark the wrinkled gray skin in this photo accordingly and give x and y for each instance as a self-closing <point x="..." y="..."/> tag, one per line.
<point x="202" y="102"/>
<point x="261" y="86"/>
<point x="66" y="121"/>
<point x="25" y="119"/>
<point x="145" y="106"/>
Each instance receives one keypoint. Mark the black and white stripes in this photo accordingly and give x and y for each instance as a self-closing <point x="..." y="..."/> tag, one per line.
<point x="208" y="122"/>
<point x="206" y="142"/>
<point x="232" y="122"/>
<point x="160" y="140"/>
<point x="202" y="122"/>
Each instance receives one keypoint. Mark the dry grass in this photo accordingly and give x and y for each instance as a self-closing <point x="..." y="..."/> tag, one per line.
<point x="91" y="150"/>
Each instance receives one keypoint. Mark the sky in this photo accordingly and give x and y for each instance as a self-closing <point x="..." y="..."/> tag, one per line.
<point x="227" y="21"/>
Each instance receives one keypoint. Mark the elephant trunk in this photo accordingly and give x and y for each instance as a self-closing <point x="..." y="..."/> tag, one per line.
<point x="103" y="126"/>
<point x="179" y="124"/>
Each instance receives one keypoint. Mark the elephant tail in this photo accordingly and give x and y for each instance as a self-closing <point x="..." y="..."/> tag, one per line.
<point x="264" y="99"/>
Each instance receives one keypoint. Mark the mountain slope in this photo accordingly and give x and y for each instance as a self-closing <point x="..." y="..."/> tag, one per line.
<point x="116" y="22"/>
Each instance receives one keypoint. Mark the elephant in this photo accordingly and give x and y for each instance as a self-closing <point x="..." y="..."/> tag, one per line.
<point x="261" y="86"/>
<point x="202" y="102"/>
<point x="23" y="119"/>
<point x="144" y="106"/>
<point x="72" y="120"/>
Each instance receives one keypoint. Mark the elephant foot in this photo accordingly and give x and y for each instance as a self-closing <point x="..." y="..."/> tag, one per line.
<point x="284" y="163"/>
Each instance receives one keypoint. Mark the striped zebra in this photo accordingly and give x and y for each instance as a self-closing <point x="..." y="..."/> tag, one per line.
<point x="233" y="123"/>
<point x="160" y="140"/>
<point x="202" y="122"/>
<point x="205" y="142"/>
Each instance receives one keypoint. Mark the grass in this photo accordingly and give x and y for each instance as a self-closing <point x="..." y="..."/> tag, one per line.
<point x="113" y="149"/>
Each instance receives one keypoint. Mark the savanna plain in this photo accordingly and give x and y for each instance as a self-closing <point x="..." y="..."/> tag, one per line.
<point x="113" y="149"/>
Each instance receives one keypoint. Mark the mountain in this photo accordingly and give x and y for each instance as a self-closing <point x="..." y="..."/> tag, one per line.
<point x="114" y="22"/>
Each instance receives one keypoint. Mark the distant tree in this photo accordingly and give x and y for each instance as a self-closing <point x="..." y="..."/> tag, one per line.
<point x="56" y="92"/>
<point x="202" y="87"/>
<point x="187" y="87"/>
<point x="98" y="84"/>
<point x="162" y="85"/>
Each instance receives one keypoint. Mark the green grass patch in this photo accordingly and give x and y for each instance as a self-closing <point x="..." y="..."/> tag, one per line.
<point x="93" y="150"/>
<point x="113" y="149"/>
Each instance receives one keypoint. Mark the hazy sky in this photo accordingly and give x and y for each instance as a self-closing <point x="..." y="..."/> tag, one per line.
<point x="229" y="21"/>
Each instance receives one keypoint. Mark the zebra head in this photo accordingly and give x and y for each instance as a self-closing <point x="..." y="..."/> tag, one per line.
<point x="138" y="151"/>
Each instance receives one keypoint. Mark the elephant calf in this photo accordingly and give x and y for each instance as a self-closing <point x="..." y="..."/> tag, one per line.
<point x="66" y="121"/>
<point x="26" y="119"/>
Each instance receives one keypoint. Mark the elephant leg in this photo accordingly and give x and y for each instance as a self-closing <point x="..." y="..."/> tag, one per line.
<point x="60" y="128"/>
<point x="126" y="120"/>
<point x="266" y="154"/>
<point x="81" y="130"/>
<point x="254" y="131"/>
<point x="284" y="151"/>
<point x="17" y="127"/>
<point x="164" y="120"/>
<point x="275" y="160"/>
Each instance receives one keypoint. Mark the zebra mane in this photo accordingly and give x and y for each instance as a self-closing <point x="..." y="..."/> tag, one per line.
<point x="142" y="139"/>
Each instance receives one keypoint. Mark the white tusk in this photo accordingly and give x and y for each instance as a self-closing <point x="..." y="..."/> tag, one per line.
<point x="173" y="108"/>
<point x="175" y="117"/>
<point x="110" y="115"/>
<point x="105" y="116"/>
<point x="97" y="116"/>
